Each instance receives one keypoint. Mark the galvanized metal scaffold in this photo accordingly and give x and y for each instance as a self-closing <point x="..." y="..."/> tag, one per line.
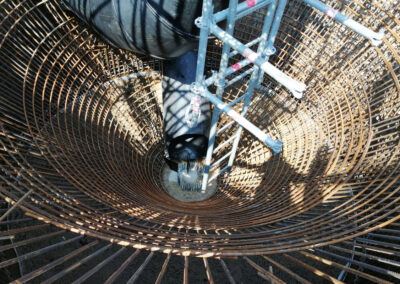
<point x="231" y="47"/>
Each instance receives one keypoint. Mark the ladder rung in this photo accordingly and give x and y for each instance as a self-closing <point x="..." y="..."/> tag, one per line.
<point x="220" y="146"/>
<point x="249" y="44"/>
<point x="226" y="169"/>
<point x="230" y="70"/>
<point x="295" y="87"/>
<point x="246" y="6"/>
<point x="210" y="80"/>
<point x="226" y="126"/>
<point x="251" y="9"/>
<point x="275" y="145"/>
<point x="237" y="66"/>
<point x="220" y="160"/>
<point x="239" y="77"/>
<point x="238" y="99"/>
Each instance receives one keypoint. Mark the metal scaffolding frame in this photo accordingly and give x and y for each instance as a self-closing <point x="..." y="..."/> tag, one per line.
<point x="260" y="59"/>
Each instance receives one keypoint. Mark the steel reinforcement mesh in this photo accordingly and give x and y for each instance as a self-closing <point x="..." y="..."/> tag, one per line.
<point x="81" y="141"/>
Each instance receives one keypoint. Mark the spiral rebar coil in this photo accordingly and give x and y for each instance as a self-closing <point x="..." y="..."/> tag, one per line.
<point x="81" y="136"/>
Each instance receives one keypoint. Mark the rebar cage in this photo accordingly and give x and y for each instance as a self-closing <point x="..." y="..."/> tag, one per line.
<point x="81" y="136"/>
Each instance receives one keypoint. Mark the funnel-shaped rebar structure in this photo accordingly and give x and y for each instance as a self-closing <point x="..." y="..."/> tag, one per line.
<point x="81" y="143"/>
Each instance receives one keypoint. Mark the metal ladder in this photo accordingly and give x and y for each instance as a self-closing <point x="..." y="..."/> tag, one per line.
<point x="259" y="59"/>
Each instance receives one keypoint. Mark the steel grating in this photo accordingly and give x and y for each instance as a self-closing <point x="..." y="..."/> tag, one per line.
<point x="81" y="140"/>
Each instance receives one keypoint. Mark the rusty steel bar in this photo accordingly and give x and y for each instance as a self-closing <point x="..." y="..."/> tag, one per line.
<point x="136" y="275"/>
<point x="53" y="264"/>
<point x="288" y="271"/>
<point x="117" y="272"/>
<point x="75" y="265"/>
<point x="37" y="252"/>
<point x="81" y="148"/>
<point x="268" y="275"/>
<point x="32" y="240"/>
<point x="208" y="271"/>
<point x="164" y="267"/>
<point x="312" y="269"/>
<point x="356" y="272"/>
<point x="186" y="270"/>
<point x="23" y="229"/>
<point x="99" y="266"/>
<point x="15" y="205"/>
<point x="227" y="272"/>
<point x="102" y="265"/>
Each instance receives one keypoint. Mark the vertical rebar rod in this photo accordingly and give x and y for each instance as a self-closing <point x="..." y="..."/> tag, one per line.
<point x="16" y="204"/>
